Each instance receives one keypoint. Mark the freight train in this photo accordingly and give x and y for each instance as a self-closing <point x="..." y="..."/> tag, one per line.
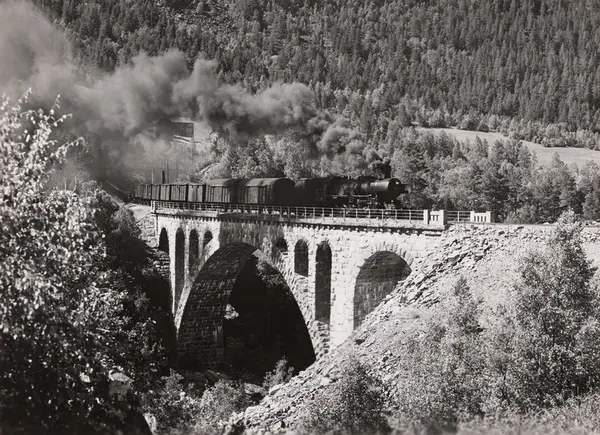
<point x="364" y="192"/>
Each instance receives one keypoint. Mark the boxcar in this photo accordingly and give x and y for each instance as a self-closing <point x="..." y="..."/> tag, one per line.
<point x="222" y="190"/>
<point x="155" y="192"/>
<point x="178" y="192"/>
<point x="140" y="191"/>
<point x="195" y="193"/>
<point x="274" y="191"/>
<point x="165" y="192"/>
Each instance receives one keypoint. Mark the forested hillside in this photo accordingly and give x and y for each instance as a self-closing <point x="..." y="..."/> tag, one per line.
<point x="526" y="61"/>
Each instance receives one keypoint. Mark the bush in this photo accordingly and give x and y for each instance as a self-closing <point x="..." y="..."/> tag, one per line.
<point x="445" y="367"/>
<point x="174" y="406"/>
<point x="551" y="342"/>
<point x="218" y="404"/>
<point x="281" y="374"/>
<point x="179" y="408"/>
<point x="469" y="122"/>
<point x="69" y="318"/>
<point x="61" y="331"/>
<point x="354" y="404"/>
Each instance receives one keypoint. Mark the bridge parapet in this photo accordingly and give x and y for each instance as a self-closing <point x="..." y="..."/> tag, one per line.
<point x="370" y="218"/>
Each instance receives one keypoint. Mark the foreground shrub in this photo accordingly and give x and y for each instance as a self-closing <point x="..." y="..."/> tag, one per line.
<point x="281" y="374"/>
<point x="444" y="379"/>
<point x="60" y="317"/>
<point x="578" y="416"/>
<point x="75" y="336"/>
<point x="175" y="406"/>
<point x="179" y="408"/>
<point x="547" y="350"/>
<point x="354" y="404"/>
<point x="218" y="404"/>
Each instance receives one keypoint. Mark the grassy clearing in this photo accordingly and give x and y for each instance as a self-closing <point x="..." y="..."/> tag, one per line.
<point x="544" y="154"/>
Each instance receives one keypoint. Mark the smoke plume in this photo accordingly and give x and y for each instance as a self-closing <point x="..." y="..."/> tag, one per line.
<point x="118" y="107"/>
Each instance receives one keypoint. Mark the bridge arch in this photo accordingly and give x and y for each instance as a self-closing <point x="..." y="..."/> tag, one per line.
<point x="377" y="278"/>
<point x="217" y="298"/>
<point x="194" y="249"/>
<point x="179" y="266"/>
<point x="163" y="262"/>
<point x="323" y="268"/>
<point x="379" y="268"/>
<point x="280" y="247"/>
<point x="163" y="240"/>
<point x="208" y="236"/>
<point x="301" y="257"/>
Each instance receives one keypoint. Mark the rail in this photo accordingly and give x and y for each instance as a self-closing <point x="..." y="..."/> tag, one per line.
<point x="439" y="217"/>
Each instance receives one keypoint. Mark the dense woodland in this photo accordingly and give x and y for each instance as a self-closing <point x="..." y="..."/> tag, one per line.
<point x="444" y="62"/>
<point x="528" y="69"/>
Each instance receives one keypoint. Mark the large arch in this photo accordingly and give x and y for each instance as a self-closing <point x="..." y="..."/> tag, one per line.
<point x="213" y="299"/>
<point x="301" y="257"/>
<point x="179" y="267"/>
<point x="377" y="278"/>
<point x="323" y="284"/>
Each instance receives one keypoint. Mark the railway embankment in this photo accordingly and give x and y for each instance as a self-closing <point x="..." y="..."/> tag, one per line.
<point x="487" y="256"/>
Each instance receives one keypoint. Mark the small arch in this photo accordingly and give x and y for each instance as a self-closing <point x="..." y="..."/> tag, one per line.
<point x="280" y="247"/>
<point x="163" y="263"/>
<point x="377" y="278"/>
<point x="163" y="241"/>
<point x="323" y="284"/>
<point x="206" y="239"/>
<point x="301" y="257"/>
<point x="194" y="248"/>
<point x="179" y="265"/>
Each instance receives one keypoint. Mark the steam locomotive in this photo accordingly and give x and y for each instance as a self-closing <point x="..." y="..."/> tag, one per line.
<point x="364" y="192"/>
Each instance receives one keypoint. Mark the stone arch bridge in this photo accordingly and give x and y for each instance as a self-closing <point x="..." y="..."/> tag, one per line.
<point x="338" y="263"/>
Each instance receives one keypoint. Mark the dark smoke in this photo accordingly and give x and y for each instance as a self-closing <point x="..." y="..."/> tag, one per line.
<point x="118" y="108"/>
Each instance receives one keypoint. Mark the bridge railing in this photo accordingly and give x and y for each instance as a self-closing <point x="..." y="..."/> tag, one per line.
<point x="306" y="212"/>
<point x="439" y="217"/>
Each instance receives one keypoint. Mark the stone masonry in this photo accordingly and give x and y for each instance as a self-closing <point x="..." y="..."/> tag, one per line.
<point x="358" y="249"/>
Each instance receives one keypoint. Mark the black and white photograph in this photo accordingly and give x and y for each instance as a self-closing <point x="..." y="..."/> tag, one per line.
<point x="272" y="217"/>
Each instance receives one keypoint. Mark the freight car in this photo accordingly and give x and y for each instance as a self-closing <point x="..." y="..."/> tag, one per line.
<point x="272" y="191"/>
<point x="366" y="192"/>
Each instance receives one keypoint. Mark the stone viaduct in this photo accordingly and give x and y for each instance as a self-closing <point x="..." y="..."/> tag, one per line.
<point x="338" y="268"/>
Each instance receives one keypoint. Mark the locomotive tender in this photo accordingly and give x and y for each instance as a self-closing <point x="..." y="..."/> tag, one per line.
<point x="365" y="192"/>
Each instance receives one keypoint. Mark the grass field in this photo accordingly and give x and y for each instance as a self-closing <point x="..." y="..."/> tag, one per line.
<point x="544" y="155"/>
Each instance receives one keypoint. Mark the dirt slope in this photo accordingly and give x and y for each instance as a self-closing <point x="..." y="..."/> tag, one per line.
<point x="486" y="256"/>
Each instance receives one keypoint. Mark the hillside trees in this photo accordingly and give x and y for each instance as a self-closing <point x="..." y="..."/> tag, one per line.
<point x="429" y="53"/>
<point x="63" y="328"/>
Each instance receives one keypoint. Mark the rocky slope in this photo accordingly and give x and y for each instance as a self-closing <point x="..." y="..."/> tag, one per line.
<point x="487" y="256"/>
